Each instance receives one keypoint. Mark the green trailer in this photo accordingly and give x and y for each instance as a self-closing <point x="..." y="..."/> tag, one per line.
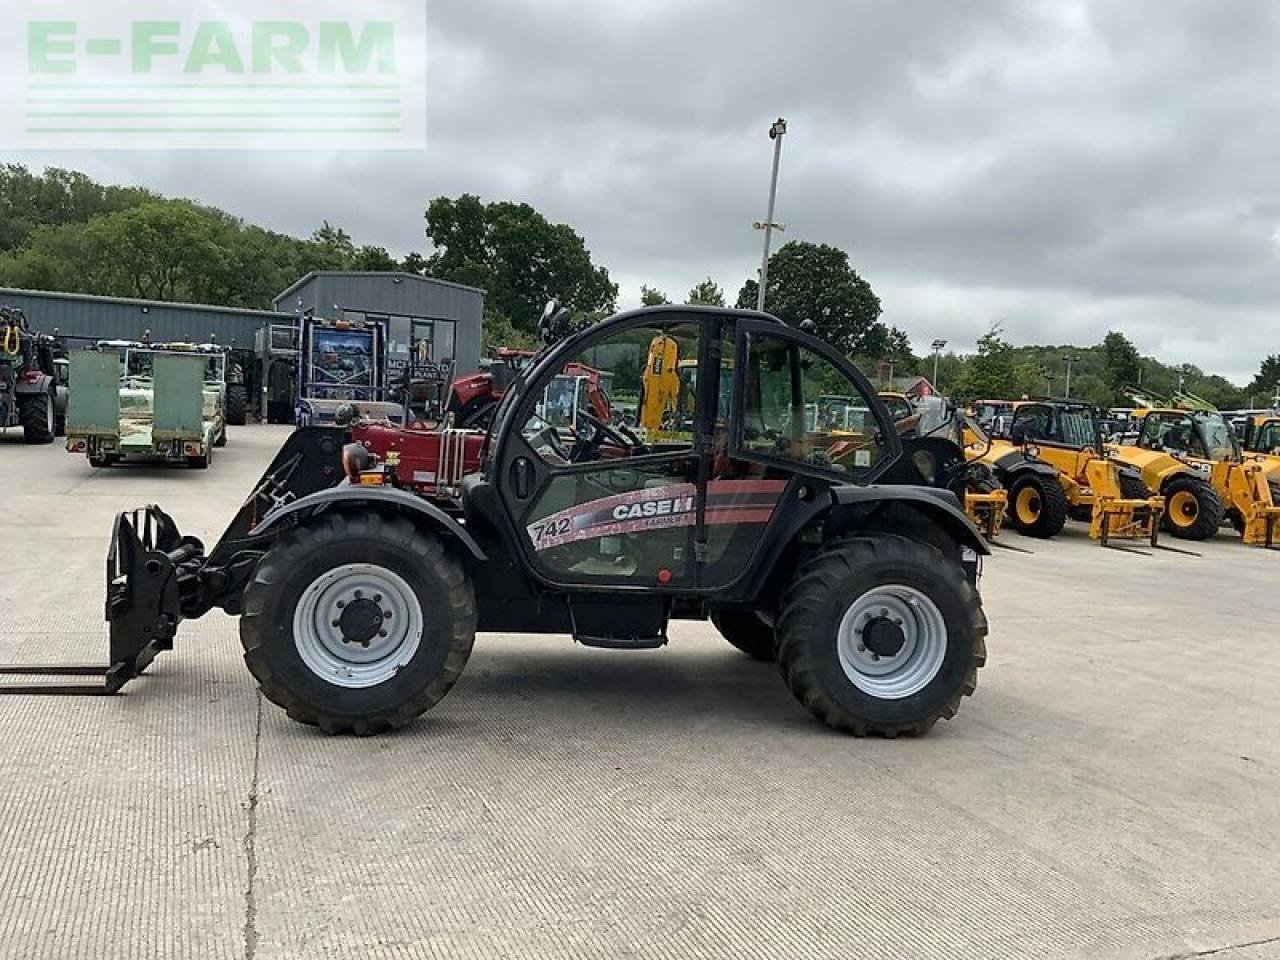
<point x="144" y="402"/>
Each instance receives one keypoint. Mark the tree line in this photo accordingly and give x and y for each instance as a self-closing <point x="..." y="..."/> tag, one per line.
<point x="61" y="230"/>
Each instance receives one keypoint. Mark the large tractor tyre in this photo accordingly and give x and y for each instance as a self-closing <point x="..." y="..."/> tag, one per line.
<point x="1037" y="506"/>
<point x="1131" y="485"/>
<point x="357" y="623"/>
<point x="237" y="405"/>
<point x="35" y="413"/>
<point x="477" y="414"/>
<point x="746" y="631"/>
<point x="1192" y="508"/>
<point x="881" y="635"/>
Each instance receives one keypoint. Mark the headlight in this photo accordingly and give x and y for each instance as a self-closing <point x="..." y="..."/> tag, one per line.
<point x="1031" y="451"/>
<point x="926" y="465"/>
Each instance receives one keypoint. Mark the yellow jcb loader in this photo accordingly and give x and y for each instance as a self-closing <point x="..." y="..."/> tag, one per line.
<point x="1111" y="498"/>
<point x="1037" y="502"/>
<point x="1192" y="457"/>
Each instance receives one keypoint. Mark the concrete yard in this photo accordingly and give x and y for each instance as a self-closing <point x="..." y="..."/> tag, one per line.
<point x="1113" y="789"/>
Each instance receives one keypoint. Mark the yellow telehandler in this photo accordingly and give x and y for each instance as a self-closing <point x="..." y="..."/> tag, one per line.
<point x="1064" y="436"/>
<point x="1188" y="452"/>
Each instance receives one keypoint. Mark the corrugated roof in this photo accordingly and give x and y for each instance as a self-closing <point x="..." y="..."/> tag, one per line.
<point x="371" y="273"/>
<point x="134" y="302"/>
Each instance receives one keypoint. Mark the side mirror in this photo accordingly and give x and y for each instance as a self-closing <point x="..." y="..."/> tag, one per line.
<point x="1019" y="433"/>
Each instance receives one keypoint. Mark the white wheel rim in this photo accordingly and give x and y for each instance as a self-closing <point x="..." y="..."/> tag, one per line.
<point x="918" y="660"/>
<point x="326" y="649"/>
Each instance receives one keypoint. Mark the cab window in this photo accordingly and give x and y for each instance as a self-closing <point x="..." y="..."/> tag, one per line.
<point x="798" y="406"/>
<point x="629" y="394"/>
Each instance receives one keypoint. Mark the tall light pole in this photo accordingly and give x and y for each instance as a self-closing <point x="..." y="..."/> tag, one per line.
<point x="937" y="349"/>
<point x="1070" y="362"/>
<point x="776" y="132"/>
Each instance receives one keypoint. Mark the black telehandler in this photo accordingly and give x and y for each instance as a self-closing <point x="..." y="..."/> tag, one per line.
<point x="790" y="528"/>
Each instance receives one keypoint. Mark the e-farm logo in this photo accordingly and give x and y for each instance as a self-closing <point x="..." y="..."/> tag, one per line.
<point x="114" y="74"/>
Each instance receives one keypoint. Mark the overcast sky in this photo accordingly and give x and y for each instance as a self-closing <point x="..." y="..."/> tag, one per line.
<point x="1062" y="167"/>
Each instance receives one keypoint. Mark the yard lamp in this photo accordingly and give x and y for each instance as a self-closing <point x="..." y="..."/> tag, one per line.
<point x="937" y="349"/>
<point x="776" y="132"/>
<point x="1070" y="362"/>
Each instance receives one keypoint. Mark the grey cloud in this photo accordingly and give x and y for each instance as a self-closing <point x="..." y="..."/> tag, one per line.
<point x="1065" y="167"/>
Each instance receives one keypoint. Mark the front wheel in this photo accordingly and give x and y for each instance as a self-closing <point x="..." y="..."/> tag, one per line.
<point x="1193" y="510"/>
<point x="881" y="635"/>
<point x="357" y="623"/>
<point x="1038" y="506"/>
<point x="35" y="412"/>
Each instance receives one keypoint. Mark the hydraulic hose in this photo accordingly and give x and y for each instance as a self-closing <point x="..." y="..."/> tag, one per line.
<point x="12" y="341"/>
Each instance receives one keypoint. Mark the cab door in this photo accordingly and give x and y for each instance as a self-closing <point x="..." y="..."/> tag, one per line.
<point x="797" y="417"/>
<point x="596" y="497"/>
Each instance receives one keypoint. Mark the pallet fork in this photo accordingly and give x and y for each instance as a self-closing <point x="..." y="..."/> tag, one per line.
<point x="986" y="510"/>
<point x="1116" y="516"/>
<point x="147" y="543"/>
<point x="1251" y="492"/>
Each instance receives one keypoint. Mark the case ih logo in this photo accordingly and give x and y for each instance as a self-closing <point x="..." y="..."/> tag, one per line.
<point x="267" y="73"/>
<point x="658" y="508"/>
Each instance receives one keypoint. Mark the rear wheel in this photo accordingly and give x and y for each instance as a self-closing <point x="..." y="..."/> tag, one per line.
<point x="477" y="413"/>
<point x="881" y="635"/>
<point x="357" y="622"/>
<point x="1037" y="505"/>
<point x="35" y="413"/>
<point x="1192" y="508"/>
<point x="237" y="405"/>
<point x="746" y="631"/>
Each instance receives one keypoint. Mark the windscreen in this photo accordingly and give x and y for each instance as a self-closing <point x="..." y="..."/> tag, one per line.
<point x="1219" y="441"/>
<point x="1078" y="428"/>
<point x="342" y="366"/>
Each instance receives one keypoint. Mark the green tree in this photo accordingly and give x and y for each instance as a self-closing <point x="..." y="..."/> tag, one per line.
<point x="497" y="331"/>
<point x="991" y="373"/>
<point x="1121" y="365"/>
<point x="652" y="296"/>
<point x="373" y="259"/>
<point x="55" y="198"/>
<point x="517" y="256"/>
<point x="811" y="281"/>
<point x="1266" y="385"/>
<point x="414" y="262"/>
<point x="706" y="294"/>
<point x="893" y="346"/>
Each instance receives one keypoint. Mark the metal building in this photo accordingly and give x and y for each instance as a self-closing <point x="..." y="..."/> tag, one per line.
<point x="414" y="308"/>
<point x="89" y="318"/>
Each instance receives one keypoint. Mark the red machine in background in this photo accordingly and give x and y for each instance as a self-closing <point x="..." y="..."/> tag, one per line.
<point x="474" y="398"/>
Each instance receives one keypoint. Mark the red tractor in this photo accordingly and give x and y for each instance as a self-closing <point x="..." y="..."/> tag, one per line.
<point x="474" y="398"/>
<point x="28" y="380"/>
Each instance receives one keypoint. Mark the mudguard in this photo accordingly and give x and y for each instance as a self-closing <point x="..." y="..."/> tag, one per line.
<point x="1014" y="463"/>
<point x="939" y="505"/>
<point x="348" y="494"/>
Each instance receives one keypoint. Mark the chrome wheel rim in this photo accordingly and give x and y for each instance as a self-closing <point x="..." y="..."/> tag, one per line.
<point x="906" y="616"/>
<point x="357" y="625"/>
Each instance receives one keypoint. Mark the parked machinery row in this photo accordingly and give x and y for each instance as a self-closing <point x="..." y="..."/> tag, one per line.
<point x="1180" y="452"/>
